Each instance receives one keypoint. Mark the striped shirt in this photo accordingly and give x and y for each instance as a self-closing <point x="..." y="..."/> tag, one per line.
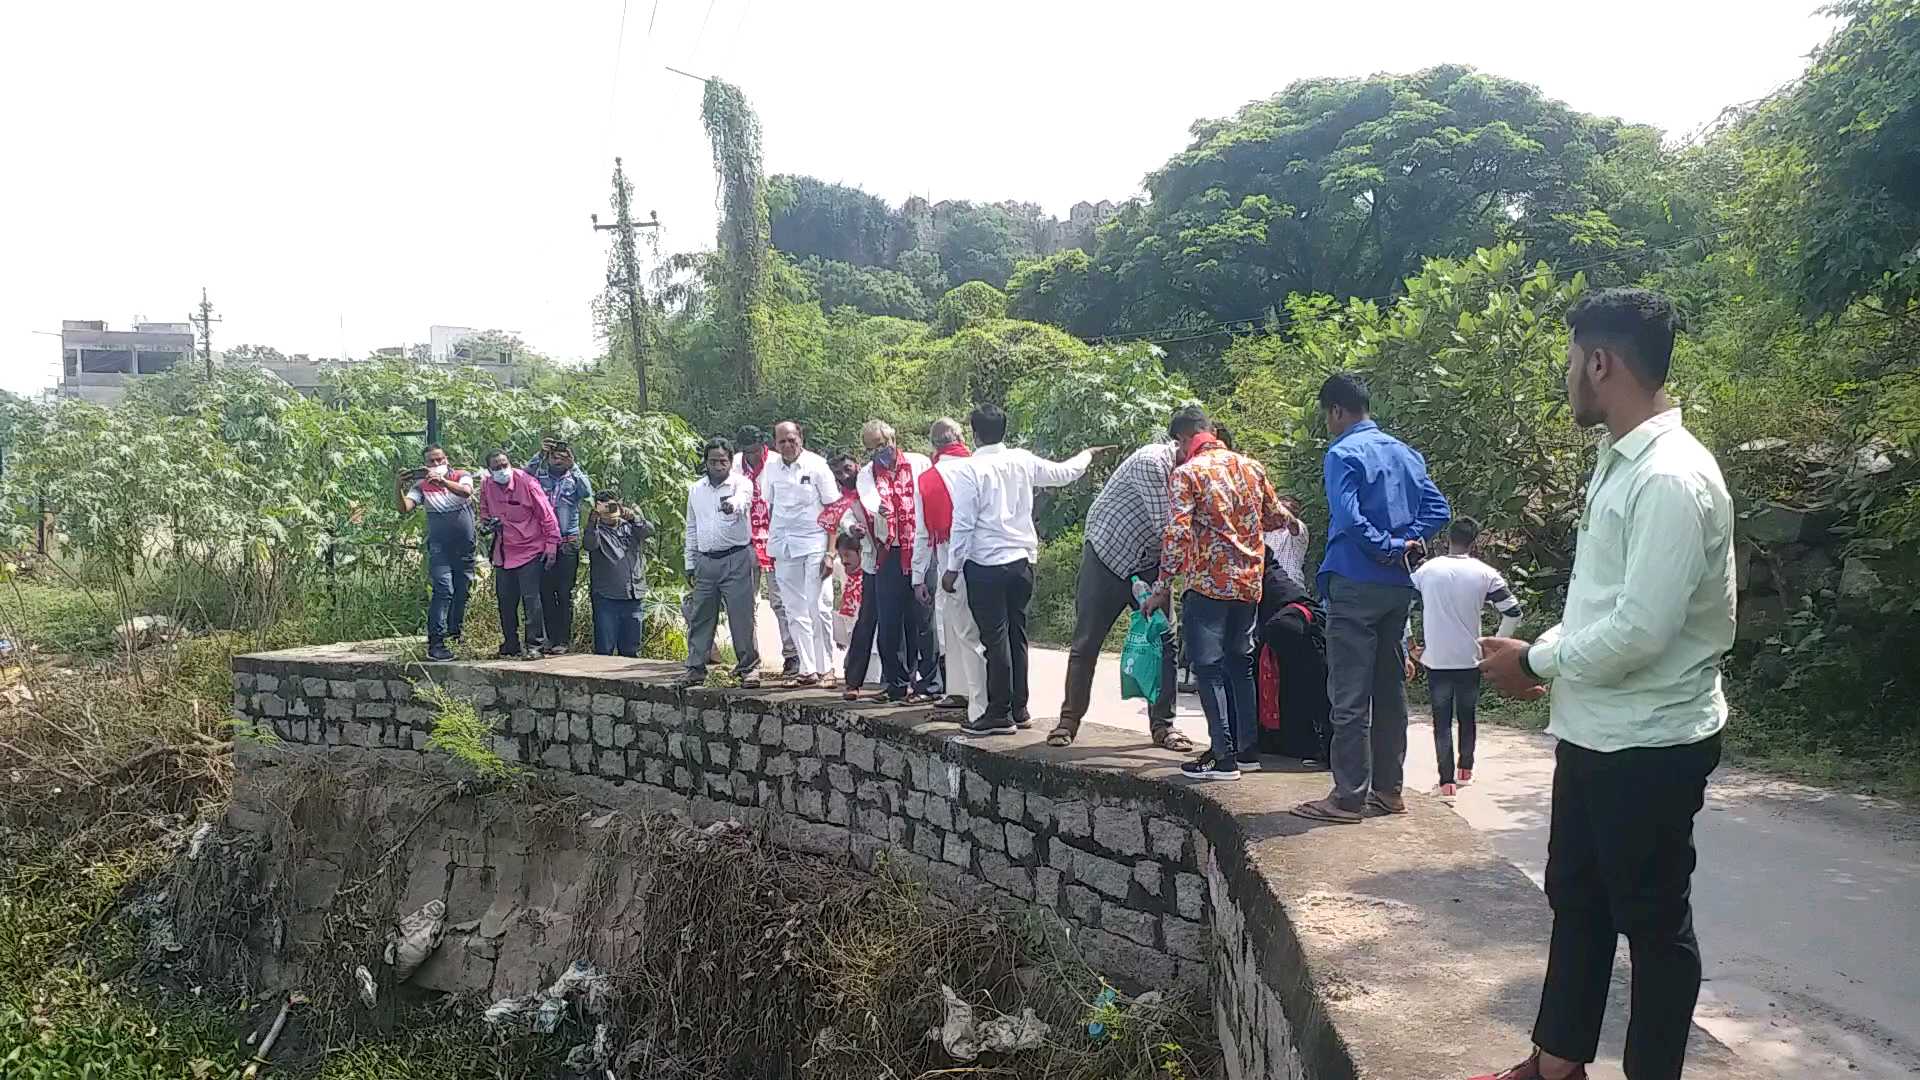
<point x="1454" y="590"/>
<point x="1129" y="516"/>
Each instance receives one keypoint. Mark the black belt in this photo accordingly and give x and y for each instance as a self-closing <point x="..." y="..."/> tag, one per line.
<point x="724" y="552"/>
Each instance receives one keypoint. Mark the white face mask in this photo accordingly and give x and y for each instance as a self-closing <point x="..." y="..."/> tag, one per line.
<point x="438" y="472"/>
<point x="503" y="477"/>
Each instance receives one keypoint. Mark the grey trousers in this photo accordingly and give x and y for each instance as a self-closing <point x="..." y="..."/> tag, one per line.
<point x="729" y="580"/>
<point x="1366" y="673"/>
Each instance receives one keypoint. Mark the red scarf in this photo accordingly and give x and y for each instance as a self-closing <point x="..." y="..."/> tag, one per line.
<point x="896" y="495"/>
<point x="936" y="501"/>
<point x="1201" y="442"/>
<point x="760" y="514"/>
<point x="830" y="517"/>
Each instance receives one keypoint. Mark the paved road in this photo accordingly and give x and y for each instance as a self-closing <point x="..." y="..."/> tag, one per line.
<point x="1807" y="900"/>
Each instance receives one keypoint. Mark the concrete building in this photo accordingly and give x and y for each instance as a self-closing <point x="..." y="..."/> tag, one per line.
<point x="98" y="363"/>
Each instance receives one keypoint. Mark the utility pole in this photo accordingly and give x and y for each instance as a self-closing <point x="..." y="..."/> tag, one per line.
<point x="627" y="258"/>
<point x="205" y="320"/>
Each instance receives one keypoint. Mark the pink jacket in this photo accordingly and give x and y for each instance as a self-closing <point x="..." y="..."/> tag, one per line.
<point x="528" y="529"/>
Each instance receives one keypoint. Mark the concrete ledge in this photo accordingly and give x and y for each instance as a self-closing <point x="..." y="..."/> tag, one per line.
<point x="1400" y="949"/>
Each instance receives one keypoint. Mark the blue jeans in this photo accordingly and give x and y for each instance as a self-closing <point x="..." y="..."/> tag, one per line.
<point x="450" y="574"/>
<point x="616" y="625"/>
<point x="1220" y="644"/>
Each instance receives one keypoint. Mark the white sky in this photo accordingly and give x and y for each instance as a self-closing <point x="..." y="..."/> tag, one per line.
<point x="342" y="175"/>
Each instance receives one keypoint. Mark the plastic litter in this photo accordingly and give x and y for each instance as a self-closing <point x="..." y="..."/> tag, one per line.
<point x="1106" y="997"/>
<point x="199" y="839"/>
<point x="580" y="981"/>
<point x="369" y="993"/>
<point x="966" y="1038"/>
<point x="415" y="940"/>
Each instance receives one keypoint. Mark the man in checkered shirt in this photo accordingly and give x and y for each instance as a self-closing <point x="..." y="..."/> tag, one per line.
<point x="1124" y="529"/>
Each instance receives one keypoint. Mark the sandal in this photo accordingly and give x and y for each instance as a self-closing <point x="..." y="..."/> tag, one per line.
<point x="1060" y="737"/>
<point x="850" y="695"/>
<point x="1175" y="741"/>
<point x="1328" y="811"/>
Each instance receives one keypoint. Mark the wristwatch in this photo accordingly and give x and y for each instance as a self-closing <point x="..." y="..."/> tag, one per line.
<point x="1526" y="664"/>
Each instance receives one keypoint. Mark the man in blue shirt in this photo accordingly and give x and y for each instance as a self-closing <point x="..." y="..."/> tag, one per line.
<point x="1381" y="510"/>
<point x="568" y="490"/>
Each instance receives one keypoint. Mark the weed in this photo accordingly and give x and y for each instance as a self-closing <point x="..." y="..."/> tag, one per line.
<point x="459" y="732"/>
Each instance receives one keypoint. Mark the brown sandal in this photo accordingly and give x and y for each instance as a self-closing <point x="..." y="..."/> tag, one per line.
<point x="1060" y="737"/>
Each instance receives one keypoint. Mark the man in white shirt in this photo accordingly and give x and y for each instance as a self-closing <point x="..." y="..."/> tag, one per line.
<point x="1451" y="591"/>
<point x="993" y="548"/>
<point x="965" y="659"/>
<point x="889" y="485"/>
<point x="1637" y="699"/>
<point x="750" y="456"/>
<point x="797" y="486"/>
<point x="720" y="565"/>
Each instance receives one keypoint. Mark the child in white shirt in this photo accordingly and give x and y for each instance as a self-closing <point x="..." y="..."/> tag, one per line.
<point x="1454" y="589"/>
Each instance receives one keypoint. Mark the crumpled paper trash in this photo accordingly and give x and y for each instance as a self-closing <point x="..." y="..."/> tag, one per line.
<point x="965" y="1038"/>
<point x="550" y="1005"/>
<point x="415" y="940"/>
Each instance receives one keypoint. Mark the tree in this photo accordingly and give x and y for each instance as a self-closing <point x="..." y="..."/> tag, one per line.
<point x="1343" y="187"/>
<point x="1057" y="290"/>
<point x="872" y="290"/>
<point x="973" y="302"/>
<point x="923" y="269"/>
<point x="981" y="243"/>
<point x="741" y="315"/>
<point x="831" y="221"/>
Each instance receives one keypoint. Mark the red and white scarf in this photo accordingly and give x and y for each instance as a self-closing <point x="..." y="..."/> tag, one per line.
<point x="936" y="502"/>
<point x="760" y="514"/>
<point x="896" y="498"/>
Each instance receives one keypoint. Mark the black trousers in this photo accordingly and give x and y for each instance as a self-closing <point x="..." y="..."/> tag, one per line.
<point x="860" y="643"/>
<point x="1456" y="694"/>
<point x="521" y="586"/>
<point x="1099" y="597"/>
<point x="556" y="592"/>
<point x="1620" y="860"/>
<point x="998" y="597"/>
<point x="909" y="654"/>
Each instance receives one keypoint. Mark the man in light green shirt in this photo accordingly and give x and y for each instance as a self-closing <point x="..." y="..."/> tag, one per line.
<point x="1637" y="703"/>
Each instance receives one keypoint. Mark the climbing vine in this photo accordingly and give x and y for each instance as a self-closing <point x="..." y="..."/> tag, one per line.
<point x="742" y="317"/>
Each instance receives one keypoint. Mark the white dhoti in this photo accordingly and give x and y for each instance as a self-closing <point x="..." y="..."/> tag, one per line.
<point x="960" y="644"/>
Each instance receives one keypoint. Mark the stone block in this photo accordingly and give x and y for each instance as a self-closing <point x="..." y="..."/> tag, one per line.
<point x="829" y="741"/>
<point x="1105" y="875"/>
<point x="418" y="740"/>
<point x="1060" y="855"/>
<point x="917" y="769"/>
<point x="676" y="745"/>
<point x="549" y="727"/>
<point x="1013" y="803"/>
<point x="1110" y="952"/>
<point x="742" y="788"/>
<point x="1019" y="841"/>
<point x="313" y="687"/>
<point x="1004" y="875"/>
<point x="957" y="850"/>
<point x="1046" y="886"/>
<point x="866" y="850"/>
<point x="640" y="712"/>
<point x="780" y="765"/>
<point x="927" y="841"/>
<point x="939" y="812"/>
<point x="1190" y="895"/>
<point x="613" y="763"/>
<point x="978" y="790"/>
<point x="268" y="684"/>
<point x="545" y="697"/>
<point x="269" y="705"/>
<point x="986" y="832"/>
<point x="579" y="727"/>
<point x="344" y="689"/>
<point x="889" y="761"/>
<point x="579" y="701"/>
<point x="766" y="795"/>
<point x="583" y="756"/>
<point x="811" y="804"/>
<point x="556" y="756"/>
<point x="514" y="694"/>
<point x="1071" y="818"/>
<point x="915" y="804"/>
<point x="623" y="735"/>
<point x="713" y="721"/>
<point x="654" y="771"/>
<point x="1166" y="838"/>
<point x="243" y="682"/>
<point x="1146" y="874"/>
<point x="608" y="705"/>
<point x="1136" y="926"/>
<point x="747" y="756"/>
<point x="1081" y="904"/>
<point x="1185" y="939"/>
<point x="840" y="778"/>
<point x="943" y="778"/>
<point x="299" y="707"/>
<point x="839" y="810"/>
<point x="400" y="690"/>
<point x="521" y="721"/>
<point x="1119" y="829"/>
<point x="337" y="709"/>
<point x="807" y="769"/>
<point x="484" y="695"/>
<point x="682" y="779"/>
<point x="858" y="751"/>
<point x="875" y="822"/>
<point x="373" y="710"/>
<point x="1040" y="812"/>
<point x="740" y="725"/>
<point x="418" y="716"/>
<point x="649" y="742"/>
<point x="719" y="755"/>
<point x="603" y="729"/>
<point x="769" y="731"/>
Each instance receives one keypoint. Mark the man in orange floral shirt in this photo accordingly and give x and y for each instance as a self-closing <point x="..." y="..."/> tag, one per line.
<point x="1222" y="506"/>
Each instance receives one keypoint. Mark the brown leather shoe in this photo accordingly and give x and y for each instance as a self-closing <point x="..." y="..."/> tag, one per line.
<point x="1530" y="1070"/>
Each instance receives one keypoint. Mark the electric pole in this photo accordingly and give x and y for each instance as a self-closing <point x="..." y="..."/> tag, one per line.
<point x="204" y="321"/>
<point x="626" y="260"/>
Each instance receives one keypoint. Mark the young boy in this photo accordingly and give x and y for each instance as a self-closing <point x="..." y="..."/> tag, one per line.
<point x="1453" y="589"/>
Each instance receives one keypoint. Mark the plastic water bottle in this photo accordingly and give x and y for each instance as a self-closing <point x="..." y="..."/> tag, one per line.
<point x="1141" y="590"/>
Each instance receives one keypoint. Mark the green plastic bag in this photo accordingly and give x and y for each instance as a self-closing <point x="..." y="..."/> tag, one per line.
<point x="1140" y="656"/>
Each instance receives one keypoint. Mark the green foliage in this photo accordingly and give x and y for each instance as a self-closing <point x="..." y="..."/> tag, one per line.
<point x="872" y="291"/>
<point x="1056" y="290"/>
<point x="923" y="269"/>
<point x="1833" y="205"/>
<point x="814" y="219"/>
<point x="741" y="314"/>
<point x="982" y="243"/>
<point x="459" y="732"/>
<point x="967" y="305"/>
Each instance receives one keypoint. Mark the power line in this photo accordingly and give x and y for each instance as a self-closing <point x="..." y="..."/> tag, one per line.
<point x="619" y="48"/>
<point x="702" y="35"/>
<point x="1195" y="331"/>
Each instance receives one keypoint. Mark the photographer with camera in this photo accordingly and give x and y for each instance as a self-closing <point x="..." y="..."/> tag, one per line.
<point x="525" y="544"/>
<point x="1382" y="508"/>
<point x="447" y="493"/>
<point x="616" y="542"/>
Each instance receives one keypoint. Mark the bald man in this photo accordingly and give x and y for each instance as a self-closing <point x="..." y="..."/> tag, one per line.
<point x="798" y="485"/>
